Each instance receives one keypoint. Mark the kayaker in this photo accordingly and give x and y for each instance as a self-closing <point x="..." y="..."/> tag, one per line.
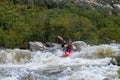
<point x="69" y="47"/>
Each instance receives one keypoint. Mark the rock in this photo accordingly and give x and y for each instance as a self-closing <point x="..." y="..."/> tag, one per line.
<point x="80" y="45"/>
<point x="44" y="46"/>
<point x="106" y="79"/>
<point x="37" y="46"/>
<point x="56" y="45"/>
<point x="117" y="6"/>
<point x="48" y="44"/>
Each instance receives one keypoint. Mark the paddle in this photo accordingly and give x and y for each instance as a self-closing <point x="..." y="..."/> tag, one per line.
<point x="60" y="38"/>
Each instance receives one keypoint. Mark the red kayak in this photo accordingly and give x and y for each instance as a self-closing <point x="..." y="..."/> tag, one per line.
<point x="66" y="54"/>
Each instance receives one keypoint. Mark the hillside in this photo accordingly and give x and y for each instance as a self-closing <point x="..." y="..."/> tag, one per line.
<point x="94" y="22"/>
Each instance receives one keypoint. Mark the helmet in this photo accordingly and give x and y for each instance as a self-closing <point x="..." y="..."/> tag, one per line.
<point x="70" y="41"/>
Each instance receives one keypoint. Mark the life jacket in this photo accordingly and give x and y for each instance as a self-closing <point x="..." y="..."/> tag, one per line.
<point x="73" y="47"/>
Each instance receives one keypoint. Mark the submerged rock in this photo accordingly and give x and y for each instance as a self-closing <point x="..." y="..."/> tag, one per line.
<point x="106" y="79"/>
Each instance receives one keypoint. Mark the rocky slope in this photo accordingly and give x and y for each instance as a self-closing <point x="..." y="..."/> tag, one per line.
<point x="106" y="3"/>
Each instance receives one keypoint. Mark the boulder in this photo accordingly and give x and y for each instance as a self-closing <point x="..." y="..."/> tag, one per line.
<point x="35" y="46"/>
<point x="117" y="6"/>
<point x="80" y="45"/>
<point x="39" y="46"/>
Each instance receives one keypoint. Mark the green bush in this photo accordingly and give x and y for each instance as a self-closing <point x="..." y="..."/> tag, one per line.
<point x="42" y="20"/>
<point x="119" y="72"/>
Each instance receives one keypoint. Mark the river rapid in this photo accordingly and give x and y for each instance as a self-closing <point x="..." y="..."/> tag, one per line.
<point x="91" y="63"/>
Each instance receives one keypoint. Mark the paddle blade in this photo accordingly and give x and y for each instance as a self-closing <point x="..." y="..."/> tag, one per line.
<point x="59" y="37"/>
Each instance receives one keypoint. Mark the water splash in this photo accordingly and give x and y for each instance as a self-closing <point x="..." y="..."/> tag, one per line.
<point x="15" y="56"/>
<point x="90" y="63"/>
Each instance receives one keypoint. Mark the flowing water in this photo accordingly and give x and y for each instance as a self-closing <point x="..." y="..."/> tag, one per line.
<point x="91" y="63"/>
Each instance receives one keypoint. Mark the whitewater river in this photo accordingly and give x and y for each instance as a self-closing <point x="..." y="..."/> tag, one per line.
<point x="91" y="63"/>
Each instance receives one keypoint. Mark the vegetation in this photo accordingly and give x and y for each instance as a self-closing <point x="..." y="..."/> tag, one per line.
<point x="22" y="21"/>
<point x="119" y="72"/>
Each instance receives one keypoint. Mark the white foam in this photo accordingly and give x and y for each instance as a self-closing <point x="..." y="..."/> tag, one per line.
<point x="84" y="65"/>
